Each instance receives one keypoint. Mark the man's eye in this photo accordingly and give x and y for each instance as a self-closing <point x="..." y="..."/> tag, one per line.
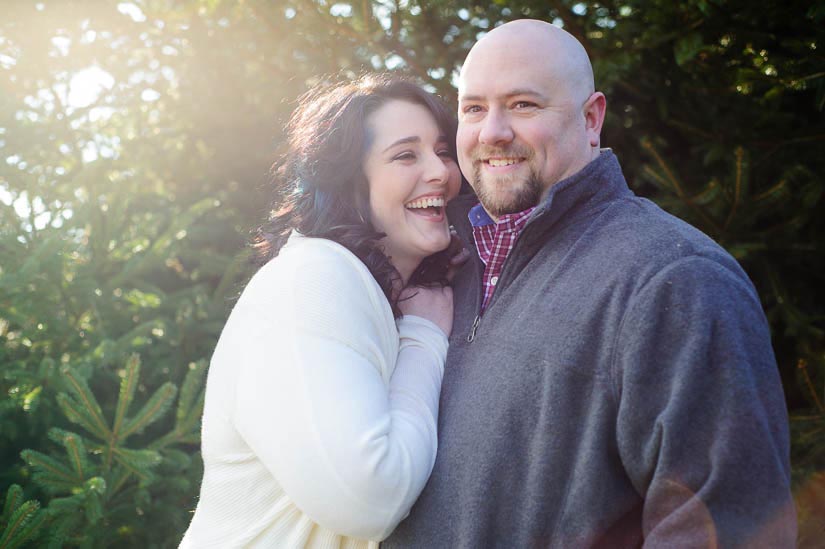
<point x="472" y="109"/>
<point x="524" y="105"/>
<point x="445" y="153"/>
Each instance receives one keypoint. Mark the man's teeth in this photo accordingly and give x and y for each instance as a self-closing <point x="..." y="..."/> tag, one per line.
<point x="425" y="203"/>
<point x="499" y="162"/>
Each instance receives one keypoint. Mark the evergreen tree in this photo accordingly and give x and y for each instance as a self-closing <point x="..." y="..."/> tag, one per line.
<point x="135" y="140"/>
<point x="100" y="481"/>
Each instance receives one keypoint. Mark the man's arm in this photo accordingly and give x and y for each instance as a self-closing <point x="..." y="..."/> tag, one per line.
<point x="702" y="424"/>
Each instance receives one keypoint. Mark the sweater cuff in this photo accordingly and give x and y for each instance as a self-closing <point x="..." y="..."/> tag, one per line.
<point x="425" y="332"/>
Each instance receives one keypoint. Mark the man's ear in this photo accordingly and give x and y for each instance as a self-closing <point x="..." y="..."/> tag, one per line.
<point x="593" y="110"/>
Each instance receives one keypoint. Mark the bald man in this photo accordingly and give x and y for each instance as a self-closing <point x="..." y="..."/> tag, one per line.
<point x="610" y="380"/>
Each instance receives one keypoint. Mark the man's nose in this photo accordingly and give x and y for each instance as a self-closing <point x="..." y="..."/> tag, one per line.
<point x="495" y="129"/>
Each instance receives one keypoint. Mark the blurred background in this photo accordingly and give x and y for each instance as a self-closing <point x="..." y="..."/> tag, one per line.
<point x="136" y="140"/>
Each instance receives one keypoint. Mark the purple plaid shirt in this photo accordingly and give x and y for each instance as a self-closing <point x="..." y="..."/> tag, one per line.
<point x="494" y="240"/>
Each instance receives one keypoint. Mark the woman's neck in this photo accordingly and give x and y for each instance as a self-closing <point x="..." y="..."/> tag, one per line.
<point x="405" y="271"/>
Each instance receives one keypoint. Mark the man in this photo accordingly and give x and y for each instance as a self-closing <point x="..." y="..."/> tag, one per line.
<point x="611" y="383"/>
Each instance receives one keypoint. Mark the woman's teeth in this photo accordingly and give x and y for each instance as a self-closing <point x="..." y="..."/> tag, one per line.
<point x="433" y="202"/>
<point x="430" y="206"/>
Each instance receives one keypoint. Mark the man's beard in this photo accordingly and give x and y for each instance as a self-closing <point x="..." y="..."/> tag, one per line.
<point x="519" y="194"/>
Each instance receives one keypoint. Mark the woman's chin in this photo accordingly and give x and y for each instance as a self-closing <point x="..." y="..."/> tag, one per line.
<point x="417" y="249"/>
<point x="439" y="243"/>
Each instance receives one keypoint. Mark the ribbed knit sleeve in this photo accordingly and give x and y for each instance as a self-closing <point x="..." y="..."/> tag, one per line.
<point x="342" y="415"/>
<point x="415" y="390"/>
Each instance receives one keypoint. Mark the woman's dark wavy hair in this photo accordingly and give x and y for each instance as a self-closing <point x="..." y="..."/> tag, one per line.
<point x="320" y="187"/>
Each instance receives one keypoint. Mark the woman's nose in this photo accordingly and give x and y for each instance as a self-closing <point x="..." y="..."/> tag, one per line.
<point x="437" y="170"/>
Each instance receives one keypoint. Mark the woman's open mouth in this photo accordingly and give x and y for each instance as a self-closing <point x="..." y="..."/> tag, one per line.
<point x="430" y="206"/>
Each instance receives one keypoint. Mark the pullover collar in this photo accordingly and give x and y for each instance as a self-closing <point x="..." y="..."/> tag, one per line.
<point x="599" y="182"/>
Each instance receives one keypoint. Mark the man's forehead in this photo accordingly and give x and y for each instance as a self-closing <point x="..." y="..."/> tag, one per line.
<point x="483" y="60"/>
<point x="483" y="67"/>
<point x="502" y="76"/>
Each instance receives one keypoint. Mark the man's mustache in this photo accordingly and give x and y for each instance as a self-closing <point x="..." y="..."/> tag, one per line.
<point x="483" y="152"/>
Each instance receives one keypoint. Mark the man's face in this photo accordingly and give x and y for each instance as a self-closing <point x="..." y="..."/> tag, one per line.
<point x="521" y="128"/>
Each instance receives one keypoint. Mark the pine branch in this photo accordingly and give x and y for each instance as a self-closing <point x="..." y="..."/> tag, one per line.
<point x="119" y="477"/>
<point x="773" y="193"/>
<point x="93" y="508"/>
<point x="139" y="263"/>
<point x="127" y="392"/>
<point x="22" y="524"/>
<point x="178" y="460"/>
<point x="13" y="498"/>
<point x="68" y="518"/>
<point x="52" y="475"/>
<point x="670" y="180"/>
<point x="802" y="365"/>
<point x="137" y="459"/>
<point x="238" y="263"/>
<point x="708" y="194"/>
<point x="90" y="415"/>
<point x="79" y="415"/>
<point x="132" y="470"/>
<point x="739" y="182"/>
<point x="151" y="411"/>
<point x="189" y="409"/>
<point x="191" y="395"/>
<point x="75" y="449"/>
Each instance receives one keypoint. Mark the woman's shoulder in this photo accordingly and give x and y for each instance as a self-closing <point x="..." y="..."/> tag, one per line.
<point x="319" y="266"/>
<point x="315" y="286"/>
<point x="313" y="255"/>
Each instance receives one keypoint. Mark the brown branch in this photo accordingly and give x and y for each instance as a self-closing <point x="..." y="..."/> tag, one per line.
<point x="802" y="365"/>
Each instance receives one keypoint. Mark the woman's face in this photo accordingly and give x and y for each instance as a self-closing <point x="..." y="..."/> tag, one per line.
<point x="411" y="177"/>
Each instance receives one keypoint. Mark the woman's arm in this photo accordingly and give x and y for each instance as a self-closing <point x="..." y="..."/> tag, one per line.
<point x="352" y="451"/>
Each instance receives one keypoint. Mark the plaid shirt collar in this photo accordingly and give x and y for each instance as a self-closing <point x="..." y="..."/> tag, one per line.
<point x="494" y="240"/>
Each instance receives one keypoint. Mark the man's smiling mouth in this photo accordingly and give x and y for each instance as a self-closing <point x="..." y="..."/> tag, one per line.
<point x="501" y="162"/>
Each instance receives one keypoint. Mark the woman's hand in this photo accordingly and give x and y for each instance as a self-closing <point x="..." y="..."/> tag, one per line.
<point x="433" y="303"/>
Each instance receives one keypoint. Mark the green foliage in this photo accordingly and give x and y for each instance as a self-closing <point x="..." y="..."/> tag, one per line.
<point x="128" y="191"/>
<point x="20" y="521"/>
<point x="97" y="477"/>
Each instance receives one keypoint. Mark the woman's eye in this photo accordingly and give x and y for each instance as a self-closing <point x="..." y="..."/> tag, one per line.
<point x="404" y="156"/>
<point x="445" y="153"/>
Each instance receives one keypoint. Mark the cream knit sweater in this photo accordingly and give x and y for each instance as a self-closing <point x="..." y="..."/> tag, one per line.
<point x="319" y="428"/>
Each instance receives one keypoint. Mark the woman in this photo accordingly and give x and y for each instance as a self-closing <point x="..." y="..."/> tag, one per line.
<point x="319" y="427"/>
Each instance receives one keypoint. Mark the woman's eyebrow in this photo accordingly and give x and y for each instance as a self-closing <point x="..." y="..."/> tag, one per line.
<point x="404" y="140"/>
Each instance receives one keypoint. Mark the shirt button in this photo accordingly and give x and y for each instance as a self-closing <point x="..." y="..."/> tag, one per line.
<point x="494" y="281"/>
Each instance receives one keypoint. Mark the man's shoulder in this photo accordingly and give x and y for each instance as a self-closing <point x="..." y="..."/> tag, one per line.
<point x="639" y="228"/>
<point x="633" y="240"/>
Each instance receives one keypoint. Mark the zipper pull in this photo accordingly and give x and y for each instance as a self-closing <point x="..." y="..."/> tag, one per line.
<point x="472" y="335"/>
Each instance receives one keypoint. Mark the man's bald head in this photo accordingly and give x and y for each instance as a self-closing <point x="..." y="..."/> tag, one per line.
<point x="548" y="47"/>
<point x="528" y="114"/>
